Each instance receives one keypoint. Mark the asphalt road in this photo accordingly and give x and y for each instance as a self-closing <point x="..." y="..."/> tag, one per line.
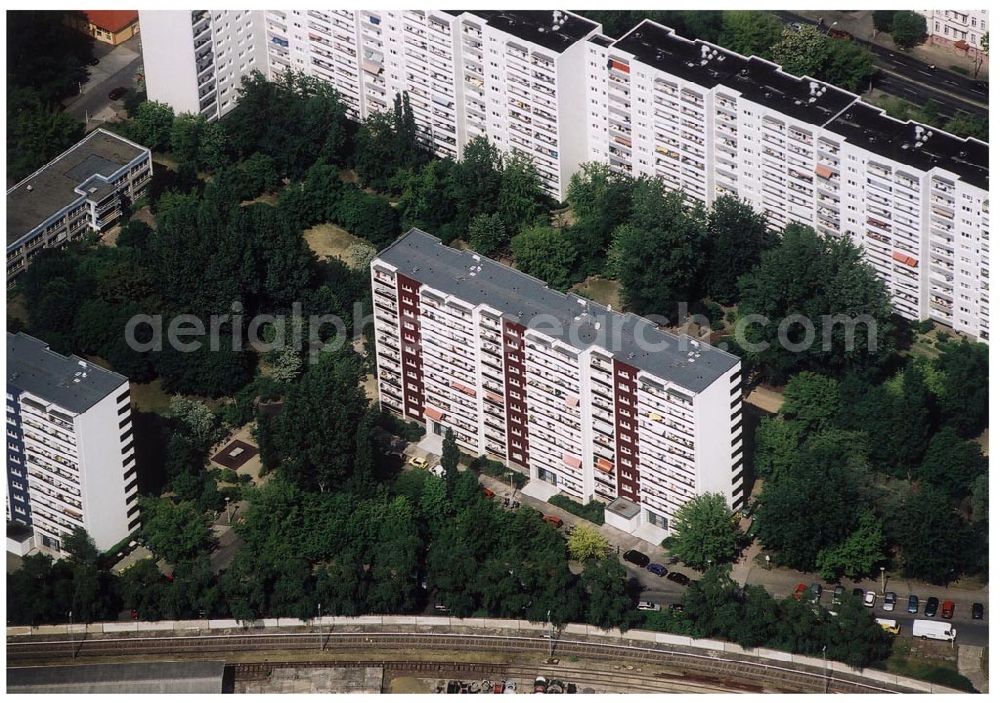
<point x="117" y="67"/>
<point x="911" y="79"/>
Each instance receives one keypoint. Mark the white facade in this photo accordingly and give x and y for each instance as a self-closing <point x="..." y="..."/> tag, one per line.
<point x="709" y="122"/>
<point x="704" y="120"/>
<point x="71" y="462"/>
<point x="195" y="61"/>
<point x="596" y="417"/>
<point x="951" y="26"/>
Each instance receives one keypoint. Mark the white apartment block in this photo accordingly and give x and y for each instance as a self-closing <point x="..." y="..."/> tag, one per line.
<point x="70" y="449"/>
<point x="709" y="122"/>
<point x="704" y="120"/>
<point x="512" y="76"/>
<point x="961" y="29"/>
<point x="595" y="403"/>
<point x="195" y="60"/>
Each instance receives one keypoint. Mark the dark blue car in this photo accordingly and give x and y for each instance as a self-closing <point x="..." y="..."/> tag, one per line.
<point x="658" y="569"/>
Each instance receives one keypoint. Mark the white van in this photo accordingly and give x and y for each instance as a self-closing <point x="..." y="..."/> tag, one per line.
<point x="930" y="629"/>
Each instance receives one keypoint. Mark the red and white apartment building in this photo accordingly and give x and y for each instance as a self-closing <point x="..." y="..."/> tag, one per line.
<point x="596" y="403"/>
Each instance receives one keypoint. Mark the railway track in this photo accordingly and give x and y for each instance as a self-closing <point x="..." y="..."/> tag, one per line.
<point x="717" y="668"/>
<point x="601" y="681"/>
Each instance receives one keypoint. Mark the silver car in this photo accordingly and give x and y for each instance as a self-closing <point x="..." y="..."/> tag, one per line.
<point x="889" y="601"/>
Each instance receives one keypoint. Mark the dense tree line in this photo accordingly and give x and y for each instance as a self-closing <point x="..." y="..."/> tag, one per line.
<point x="718" y="608"/>
<point x="46" y="62"/>
<point x="860" y="475"/>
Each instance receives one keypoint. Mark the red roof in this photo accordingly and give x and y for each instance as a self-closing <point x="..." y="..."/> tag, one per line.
<point x="112" y="21"/>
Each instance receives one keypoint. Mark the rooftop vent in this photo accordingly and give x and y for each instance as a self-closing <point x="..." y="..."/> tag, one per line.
<point x="30" y="188"/>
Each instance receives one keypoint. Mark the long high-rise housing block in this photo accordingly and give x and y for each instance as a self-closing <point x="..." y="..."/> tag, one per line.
<point x="597" y="403"/>
<point x="70" y="449"/>
<point x="706" y="121"/>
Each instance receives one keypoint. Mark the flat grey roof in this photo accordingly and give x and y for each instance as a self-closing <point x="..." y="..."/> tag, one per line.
<point x="576" y="321"/>
<point x="624" y="507"/>
<point x="53" y="187"/>
<point x="190" y="676"/>
<point x="68" y="381"/>
<point x="537" y="26"/>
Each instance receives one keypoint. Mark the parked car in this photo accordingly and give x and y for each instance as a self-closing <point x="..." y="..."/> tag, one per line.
<point x="796" y="26"/>
<point x="890" y="626"/>
<point x="437" y="470"/>
<point x="487" y="493"/>
<point x="553" y="520"/>
<point x="912" y="604"/>
<point x="977" y="611"/>
<point x="858" y="592"/>
<point x="870" y="599"/>
<point x="117" y="93"/>
<point x="93" y="61"/>
<point x="678" y="578"/>
<point x="658" y="569"/>
<point x="889" y="601"/>
<point x="648" y="605"/>
<point x="677" y="607"/>
<point x="418" y="461"/>
<point x="635" y="557"/>
<point x="838" y="594"/>
<point x="930" y="607"/>
<point x="799" y="590"/>
<point x="948" y="609"/>
<point x="815" y="592"/>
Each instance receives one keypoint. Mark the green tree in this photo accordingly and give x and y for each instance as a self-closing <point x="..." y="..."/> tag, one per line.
<point x="175" y="532"/>
<point x="57" y="72"/>
<point x="314" y="435"/>
<point x="908" y="29"/>
<point x="521" y="196"/>
<point x="449" y="460"/>
<point x="196" y="417"/>
<point x="737" y="235"/>
<point x="608" y="605"/>
<point x="964" y="403"/>
<point x="587" y="543"/>
<point x="816" y="505"/>
<point x="963" y="124"/>
<point x="545" y="253"/>
<point x="807" y="282"/>
<point x="882" y="19"/>
<point x="426" y="201"/>
<point x="185" y="136"/>
<point x="776" y="445"/>
<point x="854" y="637"/>
<point x="704" y="531"/>
<point x="933" y="540"/>
<point x="660" y="253"/>
<point x="475" y="181"/>
<point x="952" y="464"/>
<point x="152" y="125"/>
<point x="808" y="52"/>
<point x="750" y="32"/>
<point x="601" y="199"/>
<point x="811" y="399"/>
<point x="856" y="556"/>
<point x="487" y="234"/>
<point x="144" y="589"/>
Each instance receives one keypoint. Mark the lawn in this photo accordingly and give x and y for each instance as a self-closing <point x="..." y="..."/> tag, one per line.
<point x="329" y="241"/>
<point x="151" y="398"/>
<point x="601" y="290"/>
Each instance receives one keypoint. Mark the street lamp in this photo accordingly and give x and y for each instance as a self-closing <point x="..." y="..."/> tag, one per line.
<point x="830" y="28"/>
<point x="72" y="648"/>
<point x="319" y="625"/>
<point x="882" y="570"/>
<point x="229" y="515"/>
<point x="826" y="677"/>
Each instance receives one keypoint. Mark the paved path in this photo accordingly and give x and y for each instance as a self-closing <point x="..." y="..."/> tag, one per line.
<point x="970" y="666"/>
<point x="118" y="68"/>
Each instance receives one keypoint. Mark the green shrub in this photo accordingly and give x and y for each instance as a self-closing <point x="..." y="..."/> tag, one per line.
<point x="923" y="326"/>
<point x="410" y="431"/>
<point x="498" y="470"/>
<point x="592" y="511"/>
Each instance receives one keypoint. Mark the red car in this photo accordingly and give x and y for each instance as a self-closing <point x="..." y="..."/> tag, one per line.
<point x="799" y="590"/>
<point x="947" y="609"/>
<point x="553" y="520"/>
<point x="487" y="492"/>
